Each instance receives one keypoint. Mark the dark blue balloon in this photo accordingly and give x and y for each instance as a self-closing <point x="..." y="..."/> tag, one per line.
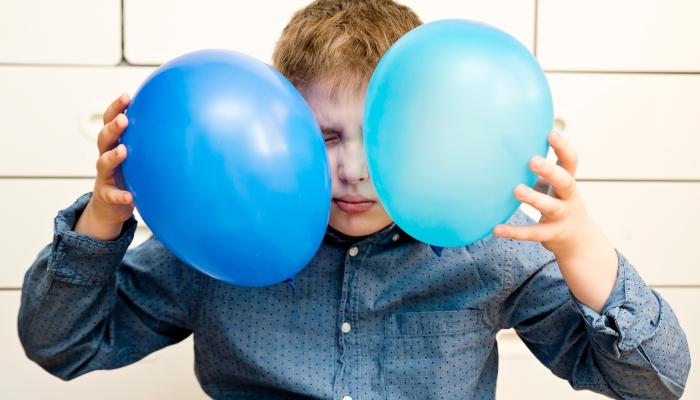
<point x="228" y="167"/>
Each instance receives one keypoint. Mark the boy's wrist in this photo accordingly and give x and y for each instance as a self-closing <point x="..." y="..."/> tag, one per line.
<point x="91" y="225"/>
<point x="590" y="267"/>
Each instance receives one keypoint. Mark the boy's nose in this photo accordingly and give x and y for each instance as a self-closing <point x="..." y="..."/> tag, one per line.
<point x="353" y="166"/>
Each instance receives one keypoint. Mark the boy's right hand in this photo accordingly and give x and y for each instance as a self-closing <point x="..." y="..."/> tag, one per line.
<point x="109" y="206"/>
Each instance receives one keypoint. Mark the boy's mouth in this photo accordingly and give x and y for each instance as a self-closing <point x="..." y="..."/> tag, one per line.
<point x="353" y="204"/>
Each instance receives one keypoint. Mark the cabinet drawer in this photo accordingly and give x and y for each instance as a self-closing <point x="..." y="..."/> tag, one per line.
<point x="521" y="376"/>
<point x="166" y="374"/>
<point x="27" y="209"/>
<point x="156" y="31"/>
<point x="654" y="224"/>
<point x="621" y="35"/>
<point x="51" y="116"/>
<point x="516" y="17"/>
<point x="630" y="126"/>
<point x="76" y="32"/>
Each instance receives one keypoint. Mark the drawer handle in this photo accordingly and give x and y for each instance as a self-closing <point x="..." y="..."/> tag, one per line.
<point x="559" y="125"/>
<point x="90" y="120"/>
<point x="563" y="121"/>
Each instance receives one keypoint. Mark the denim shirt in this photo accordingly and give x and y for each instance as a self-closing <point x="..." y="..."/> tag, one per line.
<point x="383" y="318"/>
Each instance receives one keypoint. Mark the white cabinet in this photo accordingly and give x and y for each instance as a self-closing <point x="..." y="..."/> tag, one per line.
<point x="522" y="377"/>
<point x="654" y="224"/>
<point x="85" y="32"/>
<point x="156" y="31"/>
<point x="620" y="35"/>
<point x="630" y="126"/>
<point x="51" y="116"/>
<point x="166" y="374"/>
<point x="27" y="209"/>
<point x="516" y="17"/>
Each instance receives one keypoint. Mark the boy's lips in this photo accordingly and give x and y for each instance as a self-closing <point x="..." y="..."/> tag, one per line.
<point x="353" y="204"/>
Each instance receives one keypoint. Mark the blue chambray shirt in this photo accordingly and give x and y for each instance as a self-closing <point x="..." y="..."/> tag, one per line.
<point x="383" y="318"/>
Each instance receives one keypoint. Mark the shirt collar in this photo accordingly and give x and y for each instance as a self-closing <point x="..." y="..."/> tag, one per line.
<point x="334" y="236"/>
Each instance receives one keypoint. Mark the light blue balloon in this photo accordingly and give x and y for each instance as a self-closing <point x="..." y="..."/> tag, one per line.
<point x="453" y="113"/>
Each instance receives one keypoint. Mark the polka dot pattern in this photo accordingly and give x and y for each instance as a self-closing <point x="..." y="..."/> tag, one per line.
<point x="392" y="319"/>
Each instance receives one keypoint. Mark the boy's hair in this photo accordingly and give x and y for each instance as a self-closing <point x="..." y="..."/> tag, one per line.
<point x="338" y="43"/>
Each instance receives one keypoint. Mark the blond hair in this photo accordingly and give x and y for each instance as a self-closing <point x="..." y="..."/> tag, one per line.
<point x="338" y="43"/>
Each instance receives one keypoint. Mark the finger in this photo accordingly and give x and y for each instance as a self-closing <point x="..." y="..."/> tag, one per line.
<point x="111" y="132"/>
<point x="532" y="233"/>
<point x="567" y="156"/>
<point x="549" y="206"/>
<point x="112" y="195"/>
<point x="560" y="179"/>
<point x="117" y="107"/>
<point x="109" y="161"/>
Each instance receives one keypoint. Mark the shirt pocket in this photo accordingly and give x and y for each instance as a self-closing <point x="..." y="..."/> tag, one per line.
<point x="435" y="355"/>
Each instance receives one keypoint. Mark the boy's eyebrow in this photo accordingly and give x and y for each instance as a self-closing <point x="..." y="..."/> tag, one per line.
<point x="325" y="129"/>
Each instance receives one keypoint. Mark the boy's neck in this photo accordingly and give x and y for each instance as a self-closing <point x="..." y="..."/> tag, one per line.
<point x="344" y="237"/>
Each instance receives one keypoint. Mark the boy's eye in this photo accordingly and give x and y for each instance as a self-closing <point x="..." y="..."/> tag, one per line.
<point x="330" y="136"/>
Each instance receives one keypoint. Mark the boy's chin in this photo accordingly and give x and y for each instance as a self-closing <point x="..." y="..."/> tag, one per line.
<point x="358" y="225"/>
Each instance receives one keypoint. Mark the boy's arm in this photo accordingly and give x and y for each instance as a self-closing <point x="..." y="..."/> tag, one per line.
<point x="85" y="306"/>
<point x="631" y="345"/>
<point x="634" y="349"/>
<point x="586" y="257"/>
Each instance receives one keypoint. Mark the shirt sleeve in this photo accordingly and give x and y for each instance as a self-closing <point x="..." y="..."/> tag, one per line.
<point x="89" y="305"/>
<point x="635" y="349"/>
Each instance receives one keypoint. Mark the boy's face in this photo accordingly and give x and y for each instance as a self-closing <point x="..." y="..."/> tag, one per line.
<point x="355" y="208"/>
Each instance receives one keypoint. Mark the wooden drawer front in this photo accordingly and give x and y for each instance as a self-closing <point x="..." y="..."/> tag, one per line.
<point x="166" y="374"/>
<point x="516" y="17"/>
<point x="521" y="376"/>
<point x="156" y="31"/>
<point x="27" y="209"/>
<point x="51" y="117"/>
<point x="630" y="126"/>
<point x="85" y="32"/>
<point x="653" y="224"/>
<point x="621" y="35"/>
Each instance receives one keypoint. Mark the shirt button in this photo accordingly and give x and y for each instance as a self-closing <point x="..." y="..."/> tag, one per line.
<point x="395" y="237"/>
<point x="347" y="398"/>
<point x="345" y="327"/>
<point x="353" y="252"/>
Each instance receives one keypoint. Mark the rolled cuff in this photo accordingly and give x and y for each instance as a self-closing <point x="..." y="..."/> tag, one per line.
<point x="631" y="314"/>
<point x="81" y="259"/>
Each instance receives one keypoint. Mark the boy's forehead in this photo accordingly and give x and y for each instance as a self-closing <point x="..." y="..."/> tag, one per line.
<point x="334" y="112"/>
<point x="337" y="92"/>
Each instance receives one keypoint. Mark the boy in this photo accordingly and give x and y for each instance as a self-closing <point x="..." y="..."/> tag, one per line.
<point x="376" y="314"/>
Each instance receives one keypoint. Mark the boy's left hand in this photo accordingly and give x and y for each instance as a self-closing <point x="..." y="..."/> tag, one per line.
<point x="586" y="258"/>
<point x="563" y="215"/>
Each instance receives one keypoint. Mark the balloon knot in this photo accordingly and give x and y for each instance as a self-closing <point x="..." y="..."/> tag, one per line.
<point x="290" y="281"/>
<point x="437" y="250"/>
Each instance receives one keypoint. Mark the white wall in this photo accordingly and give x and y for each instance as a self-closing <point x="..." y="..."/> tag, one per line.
<point x="625" y="77"/>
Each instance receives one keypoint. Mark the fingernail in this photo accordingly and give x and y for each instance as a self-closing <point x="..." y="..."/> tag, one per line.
<point x="555" y="137"/>
<point x="499" y="231"/>
<point x="538" y="162"/>
<point x="521" y="191"/>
